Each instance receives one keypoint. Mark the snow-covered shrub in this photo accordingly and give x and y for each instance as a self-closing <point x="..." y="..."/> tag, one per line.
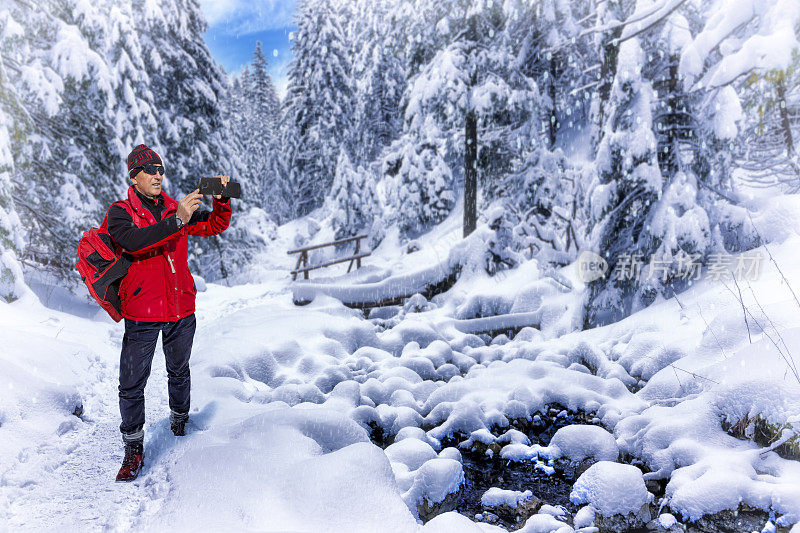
<point x="501" y="246"/>
<point x="544" y="197"/>
<point x="229" y="255"/>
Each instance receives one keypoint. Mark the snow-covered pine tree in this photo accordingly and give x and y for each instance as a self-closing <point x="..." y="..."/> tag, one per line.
<point x="420" y="181"/>
<point x="319" y="100"/>
<point x="12" y="284"/>
<point x="629" y="184"/>
<point x="553" y="52"/>
<point x="187" y="92"/>
<point x="264" y="100"/>
<point x="730" y="45"/>
<point x="260" y="136"/>
<point x="380" y="81"/>
<point x="83" y="93"/>
<point x="472" y="88"/>
<point x="353" y="201"/>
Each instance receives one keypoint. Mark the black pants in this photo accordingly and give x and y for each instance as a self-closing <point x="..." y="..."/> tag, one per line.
<point x="138" y="346"/>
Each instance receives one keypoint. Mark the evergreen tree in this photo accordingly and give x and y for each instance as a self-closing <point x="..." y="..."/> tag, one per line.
<point x="629" y="184"/>
<point x="187" y="92"/>
<point x="380" y="84"/>
<point x="251" y="109"/>
<point x="353" y="200"/>
<point x="319" y="101"/>
<point x="84" y="100"/>
<point x="421" y="193"/>
<point x="12" y="284"/>
<point x="264" y="106"/>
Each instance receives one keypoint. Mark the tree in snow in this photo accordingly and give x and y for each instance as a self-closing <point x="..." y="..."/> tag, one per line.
<point x="475" y="95"/>
<point x="187" y="91"/>
<point x="769" y="147"/>
<point x="421" y="193"/>
<point x="353" y="201"/>
<point x="737" y="44"/>
<point x="11" y="232"/>
<point x="553" y="52"/>
<point x="261" y="92"/>
<point x="380" y="81"/>
<point x="628" y="185"/>
<point x="253" y="110"/>
<point x="319" y="100"/>
<point x="83" y="94"/>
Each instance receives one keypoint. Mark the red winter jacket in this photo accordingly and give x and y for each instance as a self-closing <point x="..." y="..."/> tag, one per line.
<point x="158" y="286"/>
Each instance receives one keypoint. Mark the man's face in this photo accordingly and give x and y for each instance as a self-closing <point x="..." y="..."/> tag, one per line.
<point x="148" y="184"/>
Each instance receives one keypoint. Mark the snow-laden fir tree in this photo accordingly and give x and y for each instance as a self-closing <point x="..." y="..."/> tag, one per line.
<point x="380" y="81"/>
<point x="553" y="52"/>
<point x="475" y="94"/>
<point x="187" y="92"/>
<point x="628" y="185"/>
<point x="255" y="105"/>
<point x="12" y="284"/>
<point x="261" y="92"/>
<point x="84" y="94"/>
<point x="353" y="201"/>
<point x="419" y="180"/>
<point x="319" y="100"/>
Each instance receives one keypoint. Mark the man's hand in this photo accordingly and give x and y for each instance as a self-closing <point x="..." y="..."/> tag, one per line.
<point x="225" y="180"/>
<point x="189" y="205"/>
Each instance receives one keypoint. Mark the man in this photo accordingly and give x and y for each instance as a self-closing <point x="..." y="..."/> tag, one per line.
<point x="157" y="293"/>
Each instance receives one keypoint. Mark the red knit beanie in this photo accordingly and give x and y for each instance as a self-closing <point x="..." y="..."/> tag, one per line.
<point x="142" y="155"/>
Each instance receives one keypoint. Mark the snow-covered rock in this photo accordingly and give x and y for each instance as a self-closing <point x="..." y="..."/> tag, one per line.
<point x="544" y="523"/>
<point x="411" y="452"/>
<point x="435" y="488"/>
<point x="611" y="488"/>
<point x="579" y="442"/>
<point x="512" y="505"/>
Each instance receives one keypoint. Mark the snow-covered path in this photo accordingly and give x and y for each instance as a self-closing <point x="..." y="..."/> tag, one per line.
<point x="64" y="479"/>
<point x="67" y="479"/>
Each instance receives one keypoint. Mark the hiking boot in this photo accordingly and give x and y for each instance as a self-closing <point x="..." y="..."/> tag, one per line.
<point x="132" y="464"/>
<point x="177" y="423"/>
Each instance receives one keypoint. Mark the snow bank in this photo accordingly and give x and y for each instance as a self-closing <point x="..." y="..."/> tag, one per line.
<point x="544" y="523"/>
<point x="518" y="389"/>
<point x="288" y="469"/>
<point x="391" y="288"/>
<point x="44" y="360"/>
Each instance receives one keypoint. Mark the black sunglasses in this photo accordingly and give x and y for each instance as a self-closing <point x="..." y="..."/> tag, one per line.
<point x="151" y="169"/>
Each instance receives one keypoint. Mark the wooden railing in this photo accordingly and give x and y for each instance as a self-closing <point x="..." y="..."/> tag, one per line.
<point x="302" y="259"/>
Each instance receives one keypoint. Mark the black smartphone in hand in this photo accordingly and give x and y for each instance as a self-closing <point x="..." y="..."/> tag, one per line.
<point x="214" y="186"/>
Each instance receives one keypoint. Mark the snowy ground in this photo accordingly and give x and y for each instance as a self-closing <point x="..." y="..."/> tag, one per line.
<point x="286" y="399"/>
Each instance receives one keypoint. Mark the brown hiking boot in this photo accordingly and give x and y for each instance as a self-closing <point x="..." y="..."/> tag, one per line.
<point x="132" y="464"/>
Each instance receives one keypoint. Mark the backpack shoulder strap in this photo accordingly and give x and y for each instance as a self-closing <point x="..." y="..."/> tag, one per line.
<point x="120" y="203"/>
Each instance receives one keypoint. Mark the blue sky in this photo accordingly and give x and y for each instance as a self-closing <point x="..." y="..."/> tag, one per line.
<point x="236" y="25"/>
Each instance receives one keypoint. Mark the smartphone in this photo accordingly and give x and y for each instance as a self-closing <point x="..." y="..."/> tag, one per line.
<point x="214" y="186"/>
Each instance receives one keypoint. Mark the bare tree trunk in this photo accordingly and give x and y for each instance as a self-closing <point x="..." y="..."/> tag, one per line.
<point x="552" y="93"/>
<point x="470" y="173"/>
<point x="608" y="70"/>
<point x="782" y="109"/>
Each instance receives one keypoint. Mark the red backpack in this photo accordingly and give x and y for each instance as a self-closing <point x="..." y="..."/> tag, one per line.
<point x="102" y="265"/>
